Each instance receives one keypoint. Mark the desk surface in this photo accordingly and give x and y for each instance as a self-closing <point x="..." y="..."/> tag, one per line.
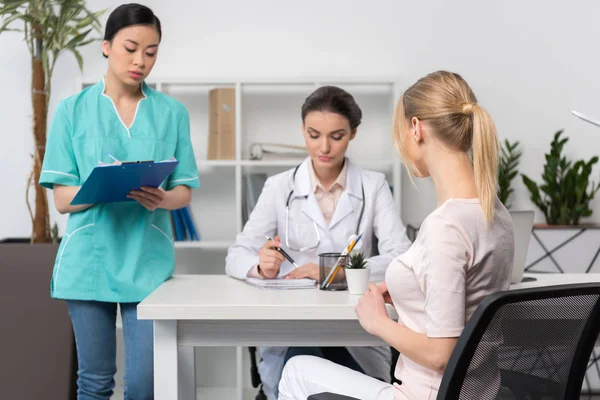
<point x="555" y="279"/>
<point x="219" y="297"/>
<point x="216" y="297"/>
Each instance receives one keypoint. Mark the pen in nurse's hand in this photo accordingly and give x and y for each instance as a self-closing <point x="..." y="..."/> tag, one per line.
<point x="286" y="255"/>
<point x="113" y="157"/>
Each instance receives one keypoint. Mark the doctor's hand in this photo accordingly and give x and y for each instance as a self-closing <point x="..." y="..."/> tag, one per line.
<point x="371" y="310"/>
<point x="384" y="292"/>
<point x="309" y="270"/>
<point x="269" y="260"/>
<point x="150" y="198"/>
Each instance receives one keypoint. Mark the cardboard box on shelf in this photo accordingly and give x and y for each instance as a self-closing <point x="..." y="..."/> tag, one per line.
<point x="221" y="125"/>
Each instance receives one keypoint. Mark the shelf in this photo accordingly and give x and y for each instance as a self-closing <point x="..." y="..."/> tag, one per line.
<point x="285" y="163"/>
<point x="271" y="163"/>
<point x="279" y="88"/>
<point x="204" y="244"/>
<point x="216" y="163"/>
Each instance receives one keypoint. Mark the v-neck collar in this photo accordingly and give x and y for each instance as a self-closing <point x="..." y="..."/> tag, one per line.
<point x="127" y="128"/>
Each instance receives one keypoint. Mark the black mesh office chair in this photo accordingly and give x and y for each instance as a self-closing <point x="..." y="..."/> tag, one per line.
<point x="523" y="344"/>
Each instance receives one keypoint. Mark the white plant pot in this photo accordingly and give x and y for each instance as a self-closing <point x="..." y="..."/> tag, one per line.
<point x="358" y="280"/>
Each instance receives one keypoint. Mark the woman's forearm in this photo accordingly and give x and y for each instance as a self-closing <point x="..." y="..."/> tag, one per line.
<point x="63" y="196"/>
<point x="432" y="353"/>
<point x="178" y="197"/>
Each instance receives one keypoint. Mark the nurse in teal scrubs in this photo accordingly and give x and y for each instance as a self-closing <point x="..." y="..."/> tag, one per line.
<point x="117" y="253"/>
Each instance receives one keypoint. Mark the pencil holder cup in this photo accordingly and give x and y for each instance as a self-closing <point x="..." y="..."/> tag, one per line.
<point x="330" y="277"/>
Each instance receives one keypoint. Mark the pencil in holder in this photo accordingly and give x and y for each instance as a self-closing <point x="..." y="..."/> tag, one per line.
<point x="337" y="279"/>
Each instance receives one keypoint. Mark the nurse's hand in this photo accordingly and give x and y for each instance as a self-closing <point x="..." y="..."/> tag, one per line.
<point x="269" y="260"/>
<point x="309" y="270"/>
<point x="150" y="198"/>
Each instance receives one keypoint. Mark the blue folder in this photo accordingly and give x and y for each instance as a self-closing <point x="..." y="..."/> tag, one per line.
<point x="180" y="233"/>
<point x="191" y="226"/>
<point x="112" y="183"/>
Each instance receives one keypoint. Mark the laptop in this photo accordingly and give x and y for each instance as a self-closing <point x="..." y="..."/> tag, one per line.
<point x="523" y="224"/>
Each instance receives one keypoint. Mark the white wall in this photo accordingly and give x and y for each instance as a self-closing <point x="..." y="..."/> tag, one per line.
<point x="530" y="63"/>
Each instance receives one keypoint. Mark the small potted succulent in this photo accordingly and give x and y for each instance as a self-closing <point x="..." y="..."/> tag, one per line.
<point x="357" y="273"/>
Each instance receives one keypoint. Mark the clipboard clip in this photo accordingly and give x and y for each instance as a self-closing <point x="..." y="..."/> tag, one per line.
<point x="137" y="162"/>
<point x="129" y="162"/>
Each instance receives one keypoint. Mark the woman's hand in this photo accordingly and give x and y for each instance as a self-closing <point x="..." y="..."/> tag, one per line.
<point x="150" y="198"/>
<point x="371" y="310"/>
<point x="385" y="293"/>
<point x="309" y="270"/>
<point x="269" y="260"/>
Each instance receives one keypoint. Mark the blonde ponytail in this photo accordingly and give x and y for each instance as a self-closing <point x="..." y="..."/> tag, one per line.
<point x="447" y="103"/>
<point x="485" y="159"/>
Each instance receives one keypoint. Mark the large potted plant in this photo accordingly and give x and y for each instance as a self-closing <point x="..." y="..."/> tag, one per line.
<point x="565" y="194"/>
<point x="37" y="337"/>
<point x="564" y="197"/>
<point x="50" y="28"/>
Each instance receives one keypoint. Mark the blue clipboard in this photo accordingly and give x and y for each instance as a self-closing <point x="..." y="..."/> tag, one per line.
<point x="111" y="183"/>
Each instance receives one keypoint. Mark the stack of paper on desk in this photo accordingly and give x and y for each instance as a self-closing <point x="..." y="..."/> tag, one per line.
<point x="282" y="283"/>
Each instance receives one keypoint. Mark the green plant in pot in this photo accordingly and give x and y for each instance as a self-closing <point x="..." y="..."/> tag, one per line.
<point x="508" y="170"/>
<point x="566" y="191"/>
<point x="50" y="28"/>
<point x="357" y="273"/>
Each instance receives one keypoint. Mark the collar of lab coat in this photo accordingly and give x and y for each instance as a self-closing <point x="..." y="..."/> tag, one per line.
<point x="346" y="204"/>
<point x="302" y="185"/>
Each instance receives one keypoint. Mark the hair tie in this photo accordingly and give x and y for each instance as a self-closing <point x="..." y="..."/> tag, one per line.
<point x="467" y="108"/>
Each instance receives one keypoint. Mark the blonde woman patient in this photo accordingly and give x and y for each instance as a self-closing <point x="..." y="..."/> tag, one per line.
<point x="463" y="252"/>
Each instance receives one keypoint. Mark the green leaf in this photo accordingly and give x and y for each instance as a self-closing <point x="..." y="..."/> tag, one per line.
<point x="356" y="261"/>
<point x="507" y="170"/>
<point x="10" y="20"/>
<point x="79" y="59"/>
<point x="77" y="39"/>
<point x="12" y="6"/>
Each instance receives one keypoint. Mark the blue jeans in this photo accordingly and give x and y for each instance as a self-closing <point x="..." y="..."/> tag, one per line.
<point x="96" y="340"/>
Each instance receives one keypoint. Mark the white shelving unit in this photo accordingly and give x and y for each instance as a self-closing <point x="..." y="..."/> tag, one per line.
<point x="266" y="111"/>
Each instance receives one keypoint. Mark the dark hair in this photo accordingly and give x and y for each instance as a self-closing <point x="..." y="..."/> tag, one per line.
<point x="335" y="100"/>
<point x="128" y="15"/>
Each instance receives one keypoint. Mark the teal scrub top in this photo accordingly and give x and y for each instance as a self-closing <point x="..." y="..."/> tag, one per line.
<point x="115" y="252"/>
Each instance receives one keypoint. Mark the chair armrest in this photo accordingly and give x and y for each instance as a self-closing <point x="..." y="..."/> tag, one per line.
<point x="330" y="396"/>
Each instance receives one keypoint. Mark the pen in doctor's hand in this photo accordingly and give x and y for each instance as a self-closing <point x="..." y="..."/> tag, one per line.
<point x="283" y="252"/>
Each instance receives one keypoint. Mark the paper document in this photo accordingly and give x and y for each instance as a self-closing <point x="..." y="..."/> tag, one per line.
<point x="282" y="283"/>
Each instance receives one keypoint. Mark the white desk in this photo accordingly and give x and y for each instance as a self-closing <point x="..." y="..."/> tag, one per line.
<point x="215" y="310"/>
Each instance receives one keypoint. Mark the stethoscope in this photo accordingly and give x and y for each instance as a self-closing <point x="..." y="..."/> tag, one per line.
<point x="287" y="216"/>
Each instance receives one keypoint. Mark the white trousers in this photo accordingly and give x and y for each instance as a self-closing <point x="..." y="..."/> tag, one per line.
<point x="307" y="375"/>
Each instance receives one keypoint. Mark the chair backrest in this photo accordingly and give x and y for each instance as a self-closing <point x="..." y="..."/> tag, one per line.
<point x="523" y="224"/>
<point x="529" y="342"/>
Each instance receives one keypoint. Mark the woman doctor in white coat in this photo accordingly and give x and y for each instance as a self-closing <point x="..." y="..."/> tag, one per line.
<point x="314" y="208"/>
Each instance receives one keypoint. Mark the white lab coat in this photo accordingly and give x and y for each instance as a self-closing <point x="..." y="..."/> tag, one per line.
<point x="380" y="219"/>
